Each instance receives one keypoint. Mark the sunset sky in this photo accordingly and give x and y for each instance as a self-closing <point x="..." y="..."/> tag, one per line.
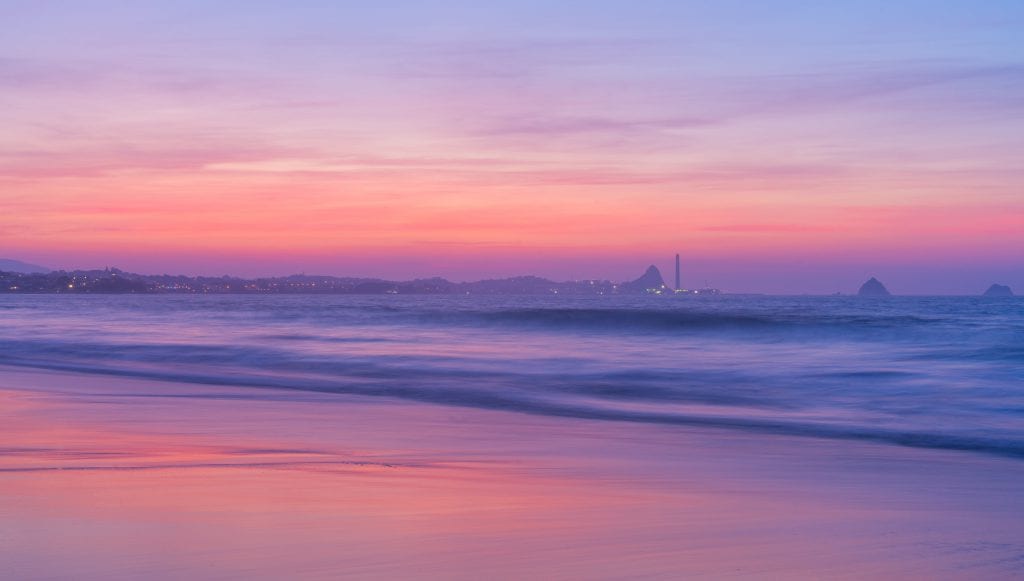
<point x="778" y="146"/>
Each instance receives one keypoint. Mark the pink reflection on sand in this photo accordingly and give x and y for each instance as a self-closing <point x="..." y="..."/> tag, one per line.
<point x="99" y="479"/>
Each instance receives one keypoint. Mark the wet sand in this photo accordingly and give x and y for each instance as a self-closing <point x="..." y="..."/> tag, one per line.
<point x="113" y="478"/>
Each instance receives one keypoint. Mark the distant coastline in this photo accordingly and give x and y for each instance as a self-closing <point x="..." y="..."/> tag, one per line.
<point x="116" y="281"/>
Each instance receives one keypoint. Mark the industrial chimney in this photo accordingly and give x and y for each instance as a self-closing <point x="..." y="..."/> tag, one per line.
<point x="677" y="272"/>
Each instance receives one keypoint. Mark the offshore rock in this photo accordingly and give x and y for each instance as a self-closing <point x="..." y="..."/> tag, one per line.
<point x="873" y="288"/>
<point x="998" y="290"/>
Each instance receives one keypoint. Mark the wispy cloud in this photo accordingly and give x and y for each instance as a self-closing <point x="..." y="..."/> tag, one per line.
<point x="496" y="60"/>
<point x="570" y="125"/>
<point x="104" y="159"/>
<point x="765" y="228"/>
<point x="846" y="85"/>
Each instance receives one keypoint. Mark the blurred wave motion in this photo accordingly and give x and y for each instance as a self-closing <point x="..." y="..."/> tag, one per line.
<point x="915" y="371"/>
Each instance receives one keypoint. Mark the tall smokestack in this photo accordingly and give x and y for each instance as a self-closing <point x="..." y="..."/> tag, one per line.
<point x="677" y="272"/>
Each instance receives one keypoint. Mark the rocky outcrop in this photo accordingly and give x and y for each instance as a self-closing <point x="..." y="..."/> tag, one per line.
<point x="873" y="288"/>
<point x="998" y="290"/>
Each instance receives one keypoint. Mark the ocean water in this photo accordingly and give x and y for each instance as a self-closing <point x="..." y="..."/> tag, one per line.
<point x="933" y="372"/>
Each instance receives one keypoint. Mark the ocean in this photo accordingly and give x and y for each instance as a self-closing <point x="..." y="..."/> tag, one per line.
<point x="928" y="372"/>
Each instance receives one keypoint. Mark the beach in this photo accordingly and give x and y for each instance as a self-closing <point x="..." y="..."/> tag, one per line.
<point x="511" y="290"/>
<point x="106" y="477"/>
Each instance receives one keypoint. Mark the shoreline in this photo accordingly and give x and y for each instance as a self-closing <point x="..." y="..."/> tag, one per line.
<point x="755" y="426"/>
<point x="115" y="478"/>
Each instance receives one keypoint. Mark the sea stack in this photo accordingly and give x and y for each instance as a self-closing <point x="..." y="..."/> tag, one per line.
<point x="998" y="290"/>
<point x="873" y="288"/>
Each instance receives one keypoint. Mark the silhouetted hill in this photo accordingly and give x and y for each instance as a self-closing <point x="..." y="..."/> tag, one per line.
<point x="113" y="280"/>
<point x="998" y="290"/>
<point x="873" y="288"/>
<point x="8" y="265"/>
<point x="649" y="282"/>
